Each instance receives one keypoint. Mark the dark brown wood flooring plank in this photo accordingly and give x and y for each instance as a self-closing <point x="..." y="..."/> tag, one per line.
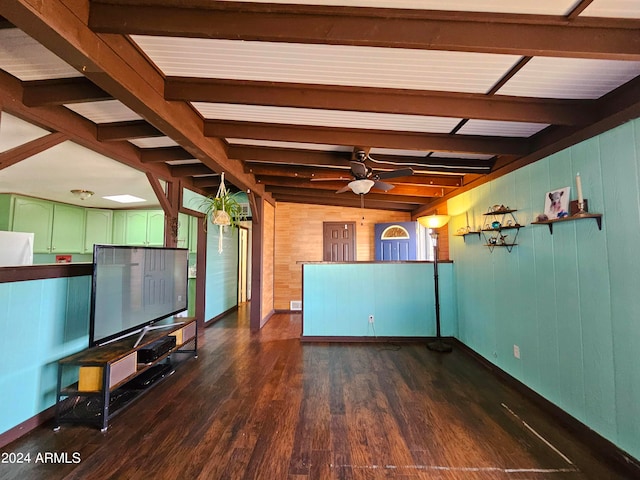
<point x="265" y="406"/>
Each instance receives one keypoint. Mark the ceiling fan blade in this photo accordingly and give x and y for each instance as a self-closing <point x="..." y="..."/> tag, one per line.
<point x="382" y="186"/>
<point x="402" y="172"/>
<point x="346" y="188"/>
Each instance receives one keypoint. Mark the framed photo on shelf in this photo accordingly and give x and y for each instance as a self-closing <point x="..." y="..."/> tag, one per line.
<point x="556" y="203"/>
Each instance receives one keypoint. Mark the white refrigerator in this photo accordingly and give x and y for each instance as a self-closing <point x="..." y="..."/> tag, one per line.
<point x="16" y="248"/>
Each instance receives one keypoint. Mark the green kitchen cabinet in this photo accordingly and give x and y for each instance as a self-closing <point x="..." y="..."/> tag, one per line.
<point x="155" y="228"/>
<point x="118" y="227"/>
<point x="138" y="227"/>
<point x="98" y="227"/>
<point x="67" y="233"/>
<point x="135" y="227"/>
<point x="36" y="216"/>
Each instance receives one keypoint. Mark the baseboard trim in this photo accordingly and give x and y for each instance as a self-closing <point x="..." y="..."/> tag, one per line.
<point x="600" y="446"/>
<point x="365" y="339"/>
<point x="25" y="427"/>
<point x="213" y="320"/>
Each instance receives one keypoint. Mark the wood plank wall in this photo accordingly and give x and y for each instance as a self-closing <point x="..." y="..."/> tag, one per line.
<point x="298" y="237"/>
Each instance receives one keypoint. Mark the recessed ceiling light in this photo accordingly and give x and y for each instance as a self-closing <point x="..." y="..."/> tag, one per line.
<point x="124" y="198"/>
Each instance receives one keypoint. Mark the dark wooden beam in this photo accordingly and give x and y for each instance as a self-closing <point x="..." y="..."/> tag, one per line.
<point x="26" y="150"/>
<point x="78" y="129"/>
<point x="380" y="100"/>
<point x="411" y="190"/>
<point x="343" y="201"/>
<point x="61" y="91"/>
<point x="117" y="131"/>
<point x="373" y="138"/>
<point x="114" y="64"/>
<point x="372" y="195"/>
<point x="305" y="172"/>
<point x="529" y="35"/>
<point x="163" y="154"/>
<point x="253" y="155"/>
<point x="190" y="170"/>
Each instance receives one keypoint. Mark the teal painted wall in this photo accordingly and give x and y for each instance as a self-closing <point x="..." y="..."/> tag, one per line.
<point x="221" y="271"/>
<point x="338" y="299"/>
<point x="222" y="268"/>
<point x="570" y="300"/>
<point x="47" y="320"/>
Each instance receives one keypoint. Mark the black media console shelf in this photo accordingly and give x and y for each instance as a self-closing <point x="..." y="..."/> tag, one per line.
<point x="93" y="385"/>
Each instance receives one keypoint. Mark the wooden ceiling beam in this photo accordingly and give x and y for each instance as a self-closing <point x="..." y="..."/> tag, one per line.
<point x="26" y="150"/>
<point x="412" y="190"/>
<point x="343" y="201"/>
<point x="383" y="197"/>
<point x="251" y="154"/>
<point x="61" y="91"/>
<point x="308" y="173"/>
<point x="380" y="100"/>
<point x="288" y="156"/>
<point x="114" y="64"/>
<point x="374" y="138"/>
<point x="190" y="170"/>
<point x="163" y="154"/>
<point x="76" y="128"/>
<point x="514" y="34"/>
<point x="117" y="131"/>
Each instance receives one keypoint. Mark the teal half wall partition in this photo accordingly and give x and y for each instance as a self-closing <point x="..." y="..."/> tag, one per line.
<point x="42" y="321"/>
<point x="338" y="299"/>
<point x="570" y="301"/>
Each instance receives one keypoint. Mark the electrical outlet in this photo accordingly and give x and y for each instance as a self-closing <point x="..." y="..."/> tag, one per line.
<point x="516" y="351"/>
<point x="370" y="318"/>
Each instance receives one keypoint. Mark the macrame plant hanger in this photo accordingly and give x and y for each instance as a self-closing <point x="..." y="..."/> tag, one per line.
<point x="220" y="216"/>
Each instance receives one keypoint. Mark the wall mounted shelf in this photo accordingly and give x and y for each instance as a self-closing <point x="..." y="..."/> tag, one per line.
<point x="465" y="235"/>
<point x="579" y="216"/>
<point x="494" y="236"/>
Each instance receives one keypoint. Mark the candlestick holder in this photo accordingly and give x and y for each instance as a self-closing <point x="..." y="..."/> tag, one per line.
<point x="577" y="208"/>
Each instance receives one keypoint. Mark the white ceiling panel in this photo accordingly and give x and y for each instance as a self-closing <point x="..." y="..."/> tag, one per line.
<point x="154" y="142"/>
<point x="613" y="8"/>
<point x="15" y="132"/>
<point x="570" y="78"/>
<point x="323" y="118"/>
<point x="501" y="129"/>
<point x="52" y="174"/>
<point x="543" y="7"/>
<point x="184" y="162"/>
<point x="327" y="64"/>
<point x="26" y="59"/>
<point x="104" y="112"/>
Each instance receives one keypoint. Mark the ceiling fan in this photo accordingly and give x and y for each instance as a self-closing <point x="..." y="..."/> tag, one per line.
<point x="364" y="178"/>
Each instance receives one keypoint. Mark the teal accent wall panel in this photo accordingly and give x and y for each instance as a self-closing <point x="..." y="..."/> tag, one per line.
<point x="221" y="272"/>
<point x="338" y="299"/>
<point x="570" y="300"/>
<point x="48" y="320"/>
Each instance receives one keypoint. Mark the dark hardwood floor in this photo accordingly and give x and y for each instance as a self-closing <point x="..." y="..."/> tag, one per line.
<point x="265" y="406"/>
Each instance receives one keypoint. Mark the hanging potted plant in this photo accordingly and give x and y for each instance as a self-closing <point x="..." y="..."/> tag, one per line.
<point x="223" y="210"/>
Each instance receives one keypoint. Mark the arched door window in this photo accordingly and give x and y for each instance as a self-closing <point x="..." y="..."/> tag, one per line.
<point x="394" y="232"/>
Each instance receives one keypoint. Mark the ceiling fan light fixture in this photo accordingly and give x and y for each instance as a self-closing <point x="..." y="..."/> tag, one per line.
<point x="361" y="186"/>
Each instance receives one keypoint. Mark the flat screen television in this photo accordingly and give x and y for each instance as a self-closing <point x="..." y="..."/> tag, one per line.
<point x="135" y="287"/>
